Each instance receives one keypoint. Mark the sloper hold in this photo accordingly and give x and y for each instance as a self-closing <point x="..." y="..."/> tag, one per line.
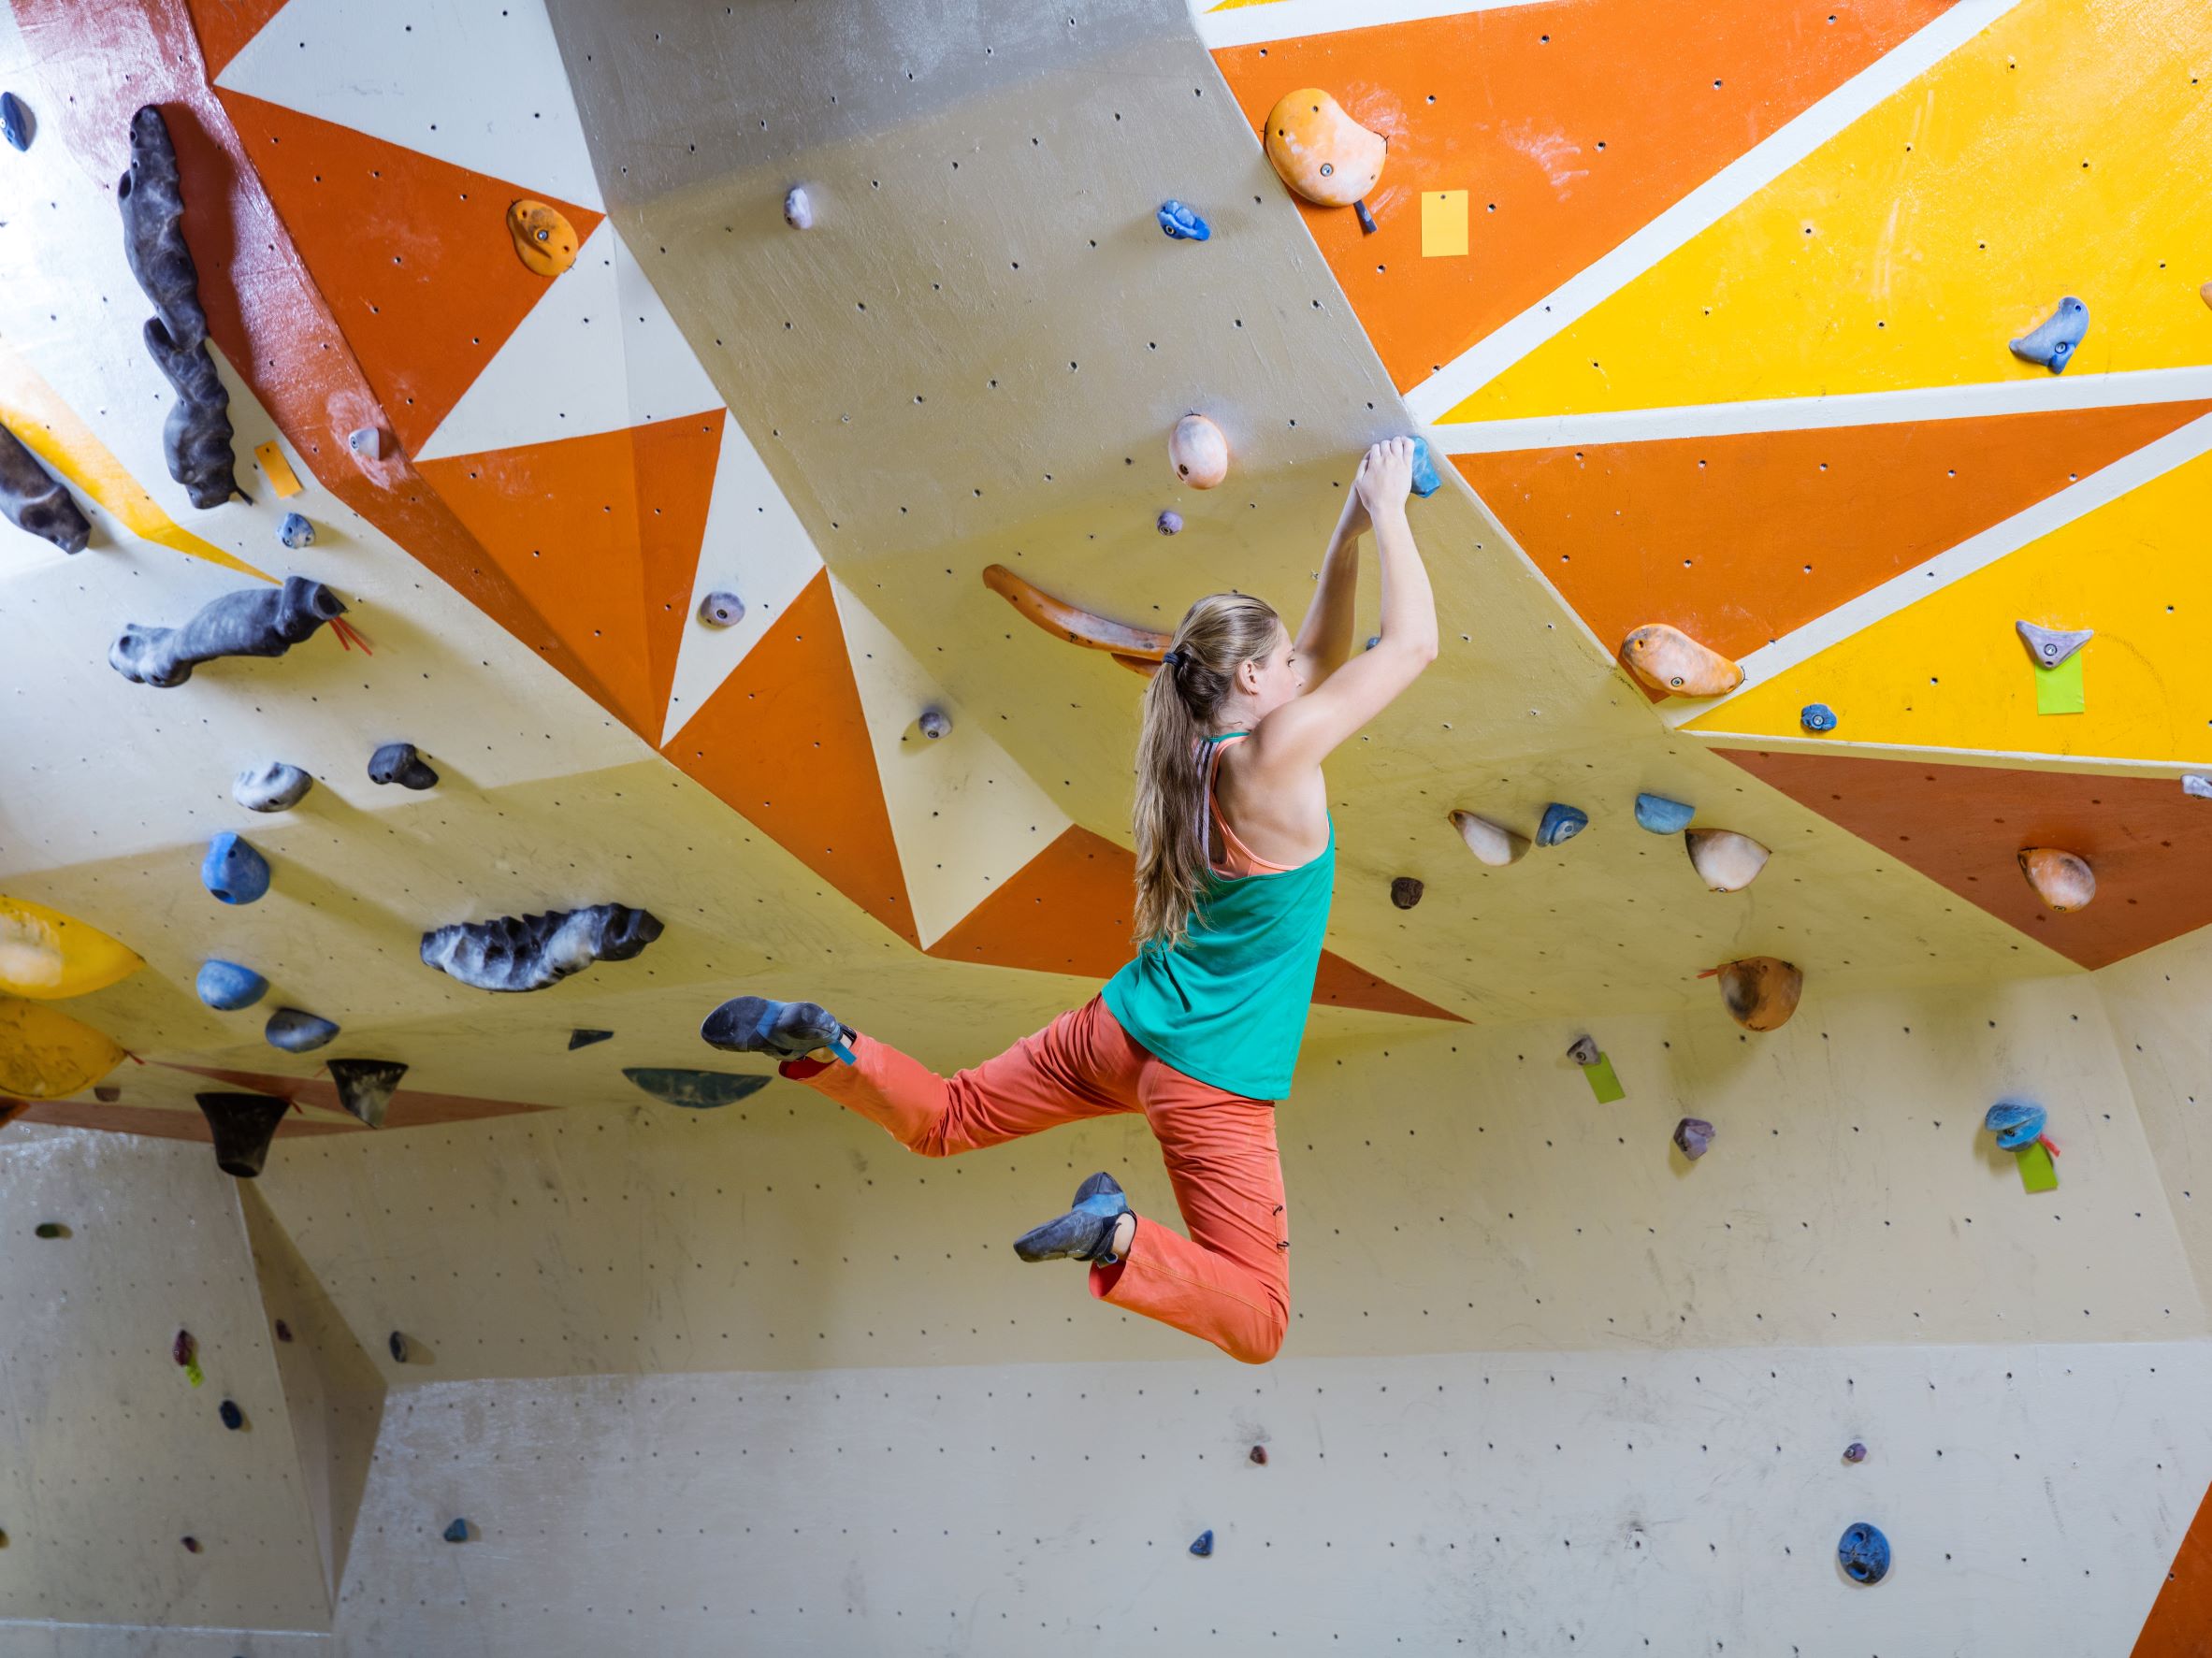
<point x="400" y="762"/>
<point x="47" y="1055"/>
<point x="530" y="952"/>
<point x="297" y="1032"/>
<point x="1198" y="452"/>
<point x="35" y="500"/>
<point x="1760" y="992"/>
<point x="233" y="869"/>
<point x="1663" y="816"/>
<point x="544" y="240"/>
<point x="2049" y="646"/>
<point x="243" y="1126"/>
<point x="250" y="622"/>
<point x="276" y="787"/>
<point x="1561" y="823"/>
<point x="226" y="987"/>
<point x="49" y="956"/>
<point x="1319" y="151"/>
<point x="2063" y="880"/>
<point x="698" y="1090"/>
<point x="1492" y="842"/>
<point x="1725" y="860"/>
<point x="1668" y="659"/>
<point x="365" y="1086"/>
<point x="2051" y="342"/>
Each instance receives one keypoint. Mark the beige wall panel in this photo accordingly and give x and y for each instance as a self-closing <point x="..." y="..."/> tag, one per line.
<point x="2163" y="1028"/>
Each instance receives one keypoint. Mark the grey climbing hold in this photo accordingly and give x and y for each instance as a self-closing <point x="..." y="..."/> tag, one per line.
<point x="1561" y="822"/>
<point x="1818" y="716"/>
<point x="16" y="125"/>
<point x="1204" y="1545"/>
<point x="2051" y="342"/>
<point x="297" y="1032"/>
<point x="530" y="952"/>
<point x="1426" y="481"/>
<point x="226" y="987"/>
<point x="243" y="1125"/>
<point x="1663" y="816"/>
<point x="1694" y="1135"/>
<point x="35" y="500"/>
<point x="233" y="871"/>
<point x="698" y="1090"/>
<point x="936" y="723"/>
<point x="367" y="442"/>
<point x="106" y="1092"/>
<point x="2196" y="786"/>
<point x="250" y="622"/>
<point x="1182" y="224"/>
<point x="2049" y="646"/>
<point x="365" y="1086"/>
<point x="273" y="787"/>
<point x="1169" y="523"/>
<point x="233" y="1417"/>
<point x="1863" y="1552"/>
<point x="1405" y="892"/>
<point x="296" y="531"/>
<point x="398" y="1346"/>
<point x="721" y="610"/>
<point x="1583" y="1051"/>
<point x="196" y="437"/>
<point x="580" y="1038"/>
<point x="399" y="762"/>
<point x="1855" y="1453"/>
<point x="798" y="208"/>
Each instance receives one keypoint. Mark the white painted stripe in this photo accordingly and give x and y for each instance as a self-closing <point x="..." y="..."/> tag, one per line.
<point x="1726" y="190"/>
<point x="2044" y="394"/>
<point x="1977" y="552"/>
<point x="1980" y="758"/>
<point x="1288" y="20"/>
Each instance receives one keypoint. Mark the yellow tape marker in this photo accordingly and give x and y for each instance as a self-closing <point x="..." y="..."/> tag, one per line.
<point x="277" y="470"/>
<point x="1443" y="223"/>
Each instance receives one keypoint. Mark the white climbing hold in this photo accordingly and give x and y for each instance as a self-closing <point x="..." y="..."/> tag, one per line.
<point x="1493" y="843"/>
<point x="798" y="208"/>
<point x="1198" y="452"/>
<point x="1726" y="861"/>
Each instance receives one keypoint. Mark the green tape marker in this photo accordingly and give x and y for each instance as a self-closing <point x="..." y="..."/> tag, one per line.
<point x="2037" y="1171"/>
<point x="191" y="1371"/>
<point x="2059" y="689"/>
<point x="1605" y="1085"/>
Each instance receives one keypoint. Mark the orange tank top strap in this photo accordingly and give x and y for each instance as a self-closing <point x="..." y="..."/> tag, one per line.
<point x="1241" y="859"/>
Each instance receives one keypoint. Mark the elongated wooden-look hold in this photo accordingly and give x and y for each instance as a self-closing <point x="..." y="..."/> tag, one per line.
<point x="1761" y="991"/>
<point x="1493" y="843"/>
<point x="1140" y="648"/>
<point x="2063" y="880"/>
<point x="1726" y="861"/>
<point x="1321" y="152"/>
<point x="1198" y="452"/>
<point x="1668" y="659"/>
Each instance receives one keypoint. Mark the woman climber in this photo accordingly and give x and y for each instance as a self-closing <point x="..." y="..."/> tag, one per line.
<point x="1236" y="853"/>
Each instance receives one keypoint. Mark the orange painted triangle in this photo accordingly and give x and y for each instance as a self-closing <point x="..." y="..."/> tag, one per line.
<point x="1571" y="125"/>
<point x="784" y="740"/>
<point x="600" y="537"/>
<point x="224" y="27"/>
<point x="2180" y="1620"/>
<point x="410" y="253"/>
<point x="1068" y="911"/>
<point x="1738" y="540"/>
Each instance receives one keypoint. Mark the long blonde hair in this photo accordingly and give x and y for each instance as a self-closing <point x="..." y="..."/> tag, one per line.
<point x="1216" y="636"/>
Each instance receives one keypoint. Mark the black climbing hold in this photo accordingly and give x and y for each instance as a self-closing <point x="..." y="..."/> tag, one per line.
<point x="196" y="437"/>
<point x="1694" y="1135"/>
<point x="530" y="952"/>
<point x="233" y="1417"/>
<point x="50" y="1228"/>
<point x="365" y="1086"/>
<point x="152" y="199"/>
<point x="274" y="787"/>
<point x="700" y="1090"/>
<point x="1204" y="1544"/>
<point x="298" y="1031"/>
<point x="106" y="1092"/>
<point x="1405" y="892"/>
<point x="192" y="1545"/>
<point x="399" y="762"/>
<point x="397" y="1343"/>
<point x="284" y="1331"/>
<point x="243" y="1125"/>
<point x="1864" y="1553"/>
<point x="1855" y="1453"/>
<point x="580" y="1038"/>
<point x="250" y="622"/>
<point x="182" y="1347"/>
<point x="296" y="531"/>
<point x="233" y="871"/>
<point x="457" y="1532"/>
<point x="1260" y="1455"/>
<point x="35" y="500"/>
<point x="1182" y="224"/>
<point x="16" y="125"/>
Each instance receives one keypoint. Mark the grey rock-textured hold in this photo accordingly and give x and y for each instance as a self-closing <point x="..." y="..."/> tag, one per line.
<point x="2195" y="786"/>
<point x="35" y="500"/>
<point x="252" y="622"/>
<point x="365" y="1086"/>
<point x="274" y="787"/>
<point x="936" y="723"/>
<point x="151" y="196"/>
<point x="399" y="762"/>
<point x="196" y="437"/>
<point x="530" y="952"/>
<point x="721" y="610"/>
<point x="1694" y="1135"/>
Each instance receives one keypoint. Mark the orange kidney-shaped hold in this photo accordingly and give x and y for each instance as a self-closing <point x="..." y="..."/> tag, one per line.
<point x="2063" y="880"/>
<point x="1760" y="992"/>
<point x="1198" y="452"/>
<point x="544" y="240"/>
<point x="1321" y="152"/>
<point x="1668" y="659"/>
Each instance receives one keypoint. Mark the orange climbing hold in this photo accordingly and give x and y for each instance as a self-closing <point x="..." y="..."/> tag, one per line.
<point x="1670" y="661"/>
<point x="1761" y="991"/>
<point x="1140" y="648"/>
<point x="2063" y="880"/>
<point x="543" y="238"/>
<point x="1321" y="152"/>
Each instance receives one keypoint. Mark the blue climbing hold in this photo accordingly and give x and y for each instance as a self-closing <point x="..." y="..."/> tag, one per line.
<point x="233" y="871"/>
<point x="457" y="1532"/>
<point x="1818" y="716"/>
<point x="1663" y="816"/>
<point x="297" y="1032"/>
<point x="1204" y="1545"/>
<point x="2053" y="340"/>
<point x="1426" y="481"/>
<point x="1182" y="224"/>
<point x="296" y="531"/>
<point x="15" y="121"/>
<point x="699" y="1091"/>
<point x="226" y="987"/>
<point x="2017" y="1123"/>
<point x="233" y="1417"/>
<point x="583" y="1038"/>
<point x="1864" y="1553"/>
<point x="1561" y="823"/>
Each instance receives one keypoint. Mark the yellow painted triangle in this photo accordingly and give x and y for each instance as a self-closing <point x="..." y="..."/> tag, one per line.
<point x="2045" y="157"/>
<point x="50" y="430"/>
<point x="1950" y="672"/>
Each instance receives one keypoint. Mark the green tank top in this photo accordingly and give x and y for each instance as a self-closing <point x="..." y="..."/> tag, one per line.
<point x="1229" y="1007"/>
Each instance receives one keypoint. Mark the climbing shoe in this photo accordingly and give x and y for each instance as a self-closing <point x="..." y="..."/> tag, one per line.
<point x="783" y="1030"/>
<point x="1085" y="1233"/>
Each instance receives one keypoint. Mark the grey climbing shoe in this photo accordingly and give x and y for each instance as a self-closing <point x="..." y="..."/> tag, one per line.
<point x="1085" y="1233"/>
<point x="783" y="1030"/>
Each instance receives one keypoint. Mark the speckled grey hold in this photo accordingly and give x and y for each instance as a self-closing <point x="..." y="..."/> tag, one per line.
<point x="721" y="610"/>
<point x="196" y="437"/>
<point x="365" y="1086"/>
<point x="399" y="762"/>
<point x="152" y="199"/>
<point x="297" y="531"/>
<point x="936" y="723"/>
<point x="35" y="500"/>
<point x="250" y="622"/>
<point x="274" y="787"/>
<point x="530" y="952"/>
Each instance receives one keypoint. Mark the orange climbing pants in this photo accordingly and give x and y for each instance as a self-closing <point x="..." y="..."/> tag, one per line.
<point x="1229" y="1281"/>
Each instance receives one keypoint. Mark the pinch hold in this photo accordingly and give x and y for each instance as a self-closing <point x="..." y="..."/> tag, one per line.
<point x="1725" y="860"/>
<point x="1668" y="659"/>
<point x="1493" y="843"/>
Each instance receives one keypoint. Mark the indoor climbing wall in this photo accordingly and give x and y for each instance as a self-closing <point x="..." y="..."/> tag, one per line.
<point x="650" y="460"/>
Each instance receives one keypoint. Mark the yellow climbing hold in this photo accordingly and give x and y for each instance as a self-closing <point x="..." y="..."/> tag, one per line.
<point x="45" y="1053"/>
<point x="543" y="238"/>
<point x="47" y="955"/>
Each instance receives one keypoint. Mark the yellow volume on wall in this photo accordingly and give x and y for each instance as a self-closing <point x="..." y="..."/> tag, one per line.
<point x="47" y="955"/>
